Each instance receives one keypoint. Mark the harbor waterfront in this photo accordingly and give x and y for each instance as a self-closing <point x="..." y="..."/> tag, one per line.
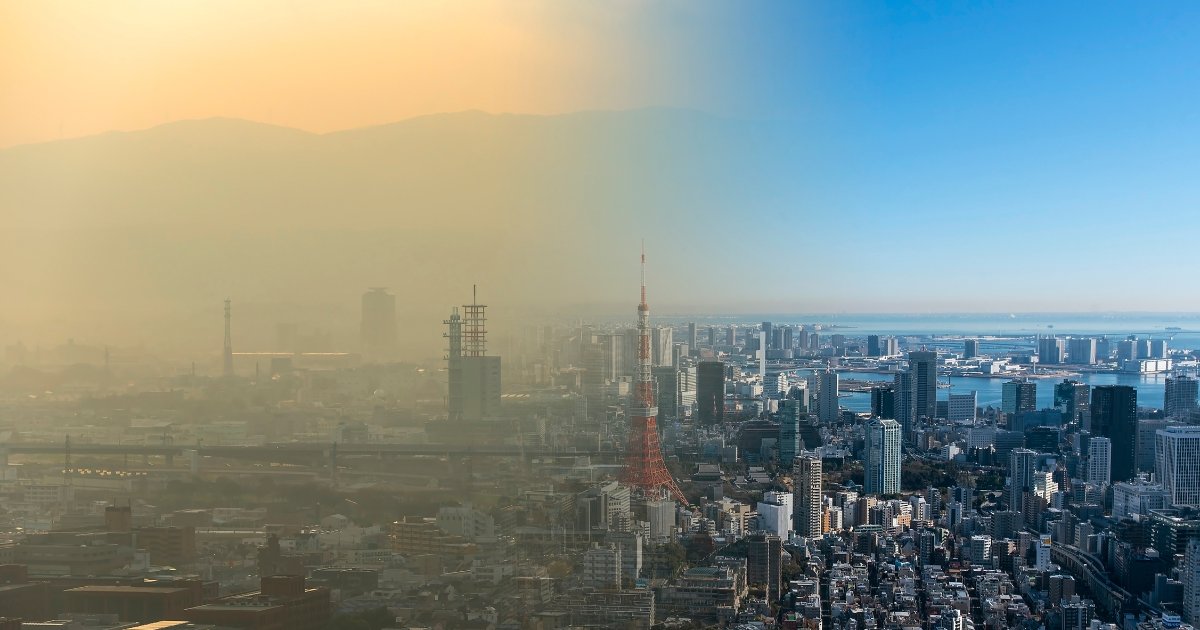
<point x="1149" y="387"/>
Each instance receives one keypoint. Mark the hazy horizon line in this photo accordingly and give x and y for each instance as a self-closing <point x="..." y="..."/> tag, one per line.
<point x="478" y="111"/>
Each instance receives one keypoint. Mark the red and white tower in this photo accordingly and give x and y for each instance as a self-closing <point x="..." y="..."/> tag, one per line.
<point x="644" y="466"/>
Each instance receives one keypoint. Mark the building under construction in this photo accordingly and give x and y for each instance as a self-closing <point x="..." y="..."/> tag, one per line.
<point x="474" y="392"/>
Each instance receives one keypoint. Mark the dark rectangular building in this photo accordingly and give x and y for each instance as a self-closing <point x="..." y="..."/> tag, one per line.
<point x="873" y="345"/>
<point x="710" y="392"/>
<point x="883" y="401"/>
<point x="1114" y="416"/>
<point x="923" y="366"/>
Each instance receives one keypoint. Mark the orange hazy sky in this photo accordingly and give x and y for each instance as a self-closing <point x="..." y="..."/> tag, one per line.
<point x="70" y="68"/>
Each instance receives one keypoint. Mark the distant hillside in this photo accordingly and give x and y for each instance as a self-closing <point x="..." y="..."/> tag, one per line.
<point x="156" y="226"/>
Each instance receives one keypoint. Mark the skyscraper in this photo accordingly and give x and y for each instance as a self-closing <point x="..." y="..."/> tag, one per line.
<point x="827" y="397"/>
<point x="806" y="471"/>
<point x="970" y="348"/>
<point x="881" y="460"/>
<point x="667" y="380"/>
<point x="378" y="328"/>
<point x="923" y="366"/>
<point x="662" y="338"/>
<point x="1051" y="350"/>
<point x="710" y="393"/>
<point x="769" y="329"/>
<point x="1114" y="416"/>
<point x="1018" y="396"/>
<point x="1180" y="398"/>
<point x="962" y="407"/>
<point x="1190" y="576"/>
<point x="1071" y="398"/>
<point x="693" y="340"/>
<point x="905" y="405"/>
<point x="873" y="349"/>
<point x="1021" y="466"/>
<point x="1081" y="350"/>
<point x="1099" y="464"/>
<point x="1177" y="457"/>
<point x="731" y="336"/>
<point x="838" y="341"/>
<point x="790" y="416"/>
<point x="883" y="401"/>
<point x="764" y="563"/>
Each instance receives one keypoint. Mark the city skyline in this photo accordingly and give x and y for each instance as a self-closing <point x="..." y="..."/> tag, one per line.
<point x="811" y="121"/>
<point x="326" y="315"/>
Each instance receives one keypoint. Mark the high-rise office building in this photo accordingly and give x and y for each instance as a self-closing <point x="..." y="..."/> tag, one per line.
<point x="1081" y="350"/>
<point x="873" y="349"/>
<point x="1022" y="464"/>
<point x="1018" y="396"/>
<point x="662" y="339"/>
<point x="838" y="341"/>
<point x="693" y="339"/>
<point x="379" y="326"/>
<point x="731" y="336"/>
<point x="1072" y="399"/>
<point x="970" y="348"/>
<point x="1158" y="349"/>
<point x="1179" y="400"/>
<point x="827" y="397"/>
<point x="769" y="329"/>
<point x="806" y="471"/>
<point x="1177" y="459"/>
<point x="764" y="563"/>
<point x="1114" y="416"/>
<point x="1190" y="576"/>
<point x="791" y="414"/>
<point x="712" y="336"/>
<point x="789" y="339"/>
<point x="881" y="460"/>
<point x="923" y="366"/>
<point x="1147" y="441"/>
<point x="889" y="346"/>
<point x="1051" y="350"/>
<point x="669" y="397"/>
<point x="1099" y="463"/>
<point x="710" y="393"/>
<point x="962" y="407"/>
<point x="883" y="401"/>
<point x="904" y="406"/>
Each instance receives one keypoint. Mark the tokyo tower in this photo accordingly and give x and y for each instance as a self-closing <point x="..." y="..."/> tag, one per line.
<point x="644" y="466"/>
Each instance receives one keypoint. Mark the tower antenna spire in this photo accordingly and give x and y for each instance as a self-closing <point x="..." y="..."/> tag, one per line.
<point x="644" y="466"/>
<point x="643" y="271"/>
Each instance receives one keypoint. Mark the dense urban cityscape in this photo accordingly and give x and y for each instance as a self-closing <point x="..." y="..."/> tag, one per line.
<point x="577" y="315"/>
<point x="648" y="474"/>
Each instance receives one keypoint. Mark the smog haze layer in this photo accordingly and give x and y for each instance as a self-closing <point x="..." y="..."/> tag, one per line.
<point x="162" y="157"/>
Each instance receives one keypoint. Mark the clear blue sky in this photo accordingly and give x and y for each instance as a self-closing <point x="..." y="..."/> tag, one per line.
<point x="1034" y="153"/>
